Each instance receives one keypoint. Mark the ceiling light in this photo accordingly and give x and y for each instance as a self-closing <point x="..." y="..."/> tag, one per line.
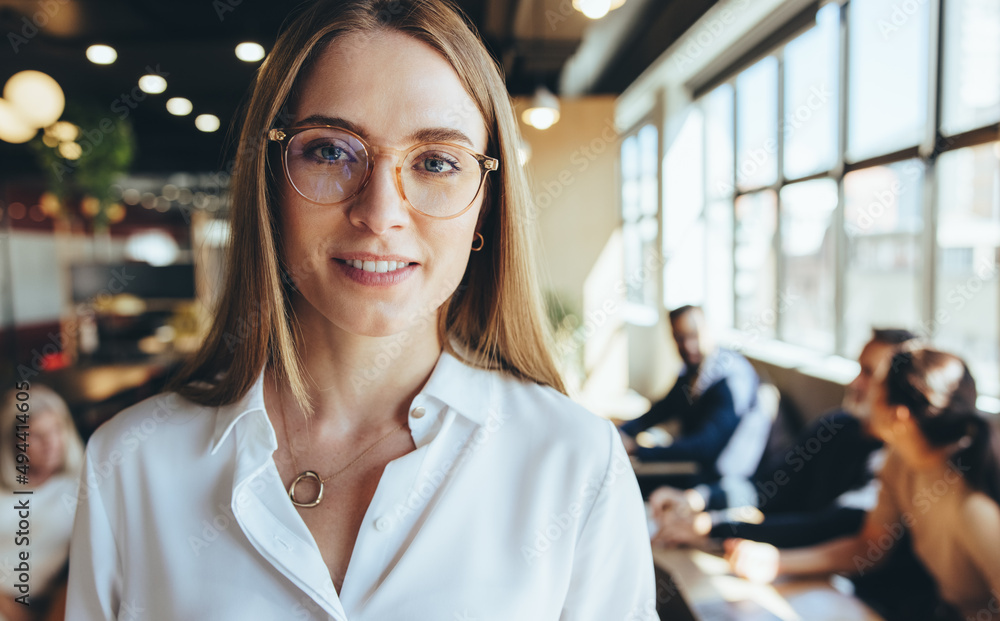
<point x="179" y="106"/>
<point x="13" y="128"/>
<point x="63" y="131"/>
<point x="101" y="54"/>
<point x="544" y="110"/>
<point x="596" y="9"/>
<point x="38" y="99"/>
<point x="152" y="84"/>
<point x="249" y="52"/>
<point x="207" y="122"/>
<point x="70" y="150"/>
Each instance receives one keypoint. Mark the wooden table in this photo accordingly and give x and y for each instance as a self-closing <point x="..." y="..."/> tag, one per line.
<point x="703" y="578"/>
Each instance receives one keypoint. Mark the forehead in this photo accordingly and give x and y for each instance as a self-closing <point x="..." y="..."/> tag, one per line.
<point x="390" y="85"/>
<point x="874" y="353"/>
<point x="687" y="323"/>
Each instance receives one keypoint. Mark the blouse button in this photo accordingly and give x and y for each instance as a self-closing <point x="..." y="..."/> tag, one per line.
<point x="382" y="524"/>
<point x="418" y="412"/>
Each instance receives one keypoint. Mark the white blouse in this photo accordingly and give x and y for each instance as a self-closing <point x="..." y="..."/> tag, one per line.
<point x="516" y="504"/>
<point x="50" y="523"/>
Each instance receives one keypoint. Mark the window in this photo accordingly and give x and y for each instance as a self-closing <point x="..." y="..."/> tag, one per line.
<point x="719" y="263"/>
<point x="754" y="279"/>
<point x="683" y="223"/>
<point x="887" y="76"/>
<point x="757" y="125"/>
<point x="809" y="122"/>
<point x="808" y="258"/>
<point x="971" y="54"/>
<point x="967" y="316"/>
<point x="719" y="154"/>
<point x="843" y="238"/>
<point x="882" y="217"/>
<point x="639" y="161"/>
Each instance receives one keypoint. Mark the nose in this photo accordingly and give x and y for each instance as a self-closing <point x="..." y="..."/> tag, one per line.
<point x="379" y="206"/>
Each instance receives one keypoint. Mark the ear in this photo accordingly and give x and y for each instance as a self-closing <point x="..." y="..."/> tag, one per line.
<point x="901" y="414"/>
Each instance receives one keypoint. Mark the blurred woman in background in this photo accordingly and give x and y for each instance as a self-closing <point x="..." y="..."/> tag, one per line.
<point x="55" y="454"/>
<point x="940" y="482"/>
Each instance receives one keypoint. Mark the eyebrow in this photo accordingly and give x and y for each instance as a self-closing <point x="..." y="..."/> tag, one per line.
<point x="428" y="134"/>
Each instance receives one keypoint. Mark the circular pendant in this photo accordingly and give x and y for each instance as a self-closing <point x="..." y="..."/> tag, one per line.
<point x="308" y="474"/>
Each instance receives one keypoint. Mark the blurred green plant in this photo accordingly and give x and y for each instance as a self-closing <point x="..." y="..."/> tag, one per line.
<point x="565" y="321"/>
<point x="81" y="155"/>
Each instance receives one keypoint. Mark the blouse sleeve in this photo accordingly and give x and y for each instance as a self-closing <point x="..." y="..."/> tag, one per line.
<point x="612" y="574"/>
<point x="94" y="584"/>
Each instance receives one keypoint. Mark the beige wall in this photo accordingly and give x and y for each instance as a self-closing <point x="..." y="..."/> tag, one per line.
<point x="573" y="176"/>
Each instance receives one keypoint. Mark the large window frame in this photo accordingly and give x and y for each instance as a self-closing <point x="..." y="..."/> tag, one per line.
<point x="935" y="141"/>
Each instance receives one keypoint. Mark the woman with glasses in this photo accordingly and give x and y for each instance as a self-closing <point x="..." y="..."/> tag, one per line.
<point x="940" y="483"/>
<point x="374" y="428"/>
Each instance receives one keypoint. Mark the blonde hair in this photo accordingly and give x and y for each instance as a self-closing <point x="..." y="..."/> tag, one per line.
<point x="41" y="400"/>
<point x="496" y="314"/>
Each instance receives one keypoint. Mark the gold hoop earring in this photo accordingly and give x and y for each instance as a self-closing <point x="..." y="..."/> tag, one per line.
<point x="478" y="238"/>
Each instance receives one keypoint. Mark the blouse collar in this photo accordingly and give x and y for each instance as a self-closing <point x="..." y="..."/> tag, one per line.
<point x="462" y="387"/>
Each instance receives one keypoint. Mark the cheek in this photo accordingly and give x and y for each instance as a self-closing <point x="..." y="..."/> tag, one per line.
<point x="303" y="245"/>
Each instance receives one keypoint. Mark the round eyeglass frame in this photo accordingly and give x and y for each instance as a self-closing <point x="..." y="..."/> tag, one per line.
<point x="284" y="135"/>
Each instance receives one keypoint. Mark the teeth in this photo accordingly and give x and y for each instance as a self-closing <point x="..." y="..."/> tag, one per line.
<point x="377" y="266"/>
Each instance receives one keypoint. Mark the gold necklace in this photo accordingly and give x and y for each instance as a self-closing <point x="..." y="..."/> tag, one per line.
<point x="311" y="474"/>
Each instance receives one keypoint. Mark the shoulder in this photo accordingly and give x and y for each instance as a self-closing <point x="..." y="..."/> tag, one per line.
<point x="540" y="418"/>
<point x="730" y="369"/>
<point x="980" y="514"/>
<point x="158" y="421"/>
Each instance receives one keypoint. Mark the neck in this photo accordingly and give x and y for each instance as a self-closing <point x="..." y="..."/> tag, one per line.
<point x="920" y="455"/>
<point x="360" y="382"/>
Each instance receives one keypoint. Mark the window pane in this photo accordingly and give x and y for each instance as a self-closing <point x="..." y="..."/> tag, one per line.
<point x="719" y="263"/>
<point x="968" y="239"/>
<point x="757" y="125"/>
<point x="648" y="162"/>
<point x="754" y="280"/>
<point x="809" y="263"/>
<point x="683" y="228"/>
<point x="887" y="75"/>
<point x="718" y="107"/>
<point x="639" y="208"/>
<point x="882" y="214"/>
<point x="810" y="118"/>
<point x="684" y="273"/>
<point x="971" y="73"/>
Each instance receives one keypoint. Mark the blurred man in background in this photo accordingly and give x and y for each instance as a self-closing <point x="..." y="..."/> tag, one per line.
<point x="716" y="389"/>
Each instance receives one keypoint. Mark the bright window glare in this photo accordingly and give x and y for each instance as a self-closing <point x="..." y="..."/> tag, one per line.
<point x="971" y="55"/>
<point x="810" y="116"/>
<point x="887" y="77"/>
<point x="757" y="125"/>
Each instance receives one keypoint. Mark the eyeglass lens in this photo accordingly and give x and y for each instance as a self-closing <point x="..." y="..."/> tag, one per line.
<point x="327" y="166"/>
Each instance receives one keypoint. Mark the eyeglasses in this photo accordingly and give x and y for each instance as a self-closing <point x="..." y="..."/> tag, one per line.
<point x="329" y="165"/>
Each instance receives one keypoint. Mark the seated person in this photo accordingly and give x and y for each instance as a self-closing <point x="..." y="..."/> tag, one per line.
<point x="819" y="489"/>
<point x="940" y="487"/>
<point x="716" y="388"/>
<point x="55" y="455"/>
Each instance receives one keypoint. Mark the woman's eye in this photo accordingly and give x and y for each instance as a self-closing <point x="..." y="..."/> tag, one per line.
<point x="331" y="153"/>
<point x="437" y="164"/>
<point x="324" y="152"/>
